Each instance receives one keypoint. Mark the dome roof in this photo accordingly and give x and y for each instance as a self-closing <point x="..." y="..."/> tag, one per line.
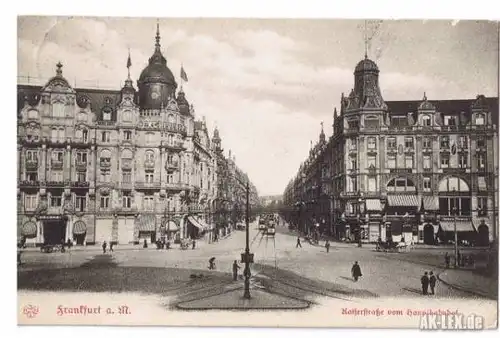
<point x="157" y="71"/>
<point x="366" y="65"/>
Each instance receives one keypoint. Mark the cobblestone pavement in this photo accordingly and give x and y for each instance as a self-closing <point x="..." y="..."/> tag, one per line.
<point x="278" y="265"/>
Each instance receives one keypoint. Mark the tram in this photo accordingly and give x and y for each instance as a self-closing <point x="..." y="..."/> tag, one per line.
<point x="270" y="229"/>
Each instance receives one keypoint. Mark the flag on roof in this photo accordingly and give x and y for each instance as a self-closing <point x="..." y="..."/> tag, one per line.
<point x="183" y="74"/>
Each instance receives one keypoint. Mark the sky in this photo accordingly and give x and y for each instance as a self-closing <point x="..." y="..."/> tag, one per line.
<point x="267" y="84"/>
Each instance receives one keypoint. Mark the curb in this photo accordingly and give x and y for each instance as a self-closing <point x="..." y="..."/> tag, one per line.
<point x="462" y="289"/>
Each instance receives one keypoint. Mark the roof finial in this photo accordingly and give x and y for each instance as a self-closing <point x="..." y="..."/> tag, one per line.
<point x="425" y="97"/>
<point x="129" y="63"/>
<point x="321" y="126"/>
<point x="366" y="41"/>
<point x="59" y="68"/>
<point x="157" y="33"/>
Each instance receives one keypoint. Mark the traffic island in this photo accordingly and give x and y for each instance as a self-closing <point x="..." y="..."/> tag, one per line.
<point x="233" y="300"/>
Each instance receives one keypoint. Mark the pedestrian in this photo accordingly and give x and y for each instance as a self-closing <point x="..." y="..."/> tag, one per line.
<point x="211" y="263"/>
<point x="298" y="243"/>
<point x="356" y="271"/>
<point x="447" y="260"/>
<point x="111" y="245"/>
<point x="327" y="246"/>
<point x="194" y="244"/>
<point x="235" y="270"/>
<point x="432" y="282"/>
<point x="425" y="283"/>
<point x="104" y="245"/>
<point x="458" y="258"/>
<point x="145" y="245"/>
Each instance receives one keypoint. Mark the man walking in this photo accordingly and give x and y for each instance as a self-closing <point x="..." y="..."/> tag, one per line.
<point x="194" y="244"/>
<point x="432" y="282"/>
<point x="425" y="283"/>
<point x="356" y="271"/>
<point x="447" y="260"/>
<point x="236" y="267"/>
<point x="298" y="243"/>
<point x="327" y="246"/>
<point x="104" y="245"/>
<point x="111" y="245"/>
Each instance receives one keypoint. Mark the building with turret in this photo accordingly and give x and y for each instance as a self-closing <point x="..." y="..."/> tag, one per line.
<point x="120" y="166"/>
<point x="407" y="171"/>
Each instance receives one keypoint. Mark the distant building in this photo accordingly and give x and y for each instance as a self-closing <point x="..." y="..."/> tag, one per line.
<point x="401" y="170"/>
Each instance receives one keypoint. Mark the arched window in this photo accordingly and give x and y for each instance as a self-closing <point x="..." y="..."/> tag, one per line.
<point x="32" y="114"/>
<point x="171" y="118"/>
<point x="372" y="122"/>
<point x="149" y="156"/>
<point x="401" y="184"/>
<point x="426" y="120"/>
<point x="127" y="153"/>
<point x="170" y="139"/>
<point x="480" y="121"/>
<point x="85" y="135"/>
<point x="78" y="134"/>
<point x="58" y="109"/>
<point x="454" y="197"/>
<point x="127" y="116"/>
<point x="61" y="134"/>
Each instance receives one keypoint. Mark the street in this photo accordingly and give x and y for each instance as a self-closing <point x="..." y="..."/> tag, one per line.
<point x="309" y="271"/>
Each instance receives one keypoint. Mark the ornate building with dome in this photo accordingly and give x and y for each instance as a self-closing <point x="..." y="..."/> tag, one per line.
<point x="401" y="170"/>
<point x="119" y="166"/>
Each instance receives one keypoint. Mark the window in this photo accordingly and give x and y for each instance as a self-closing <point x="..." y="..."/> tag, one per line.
<point x="400" y="184"/>
<point x="170" y="178"/>
<point x="445" y="142"/>
<point x="391" y="143"/>
<point x="372" y="122"/>
<point x="57" y="156"/>
<point x="57" y="176"/>
<point x="482" y="206"/>
<point x="372" y="143"/>
<point x="450" y="121"/>
<point x="372" y="184"/>
<point x="463" y="142"/>
<point x="480" y="119"/>
<point x="408" y="142"/>
<point x="427" y="184"/>
<point x="105" y="175"/>
<point x="427" y="162"/>
<point x="148" y="202"/>
<point x="354" y="164"/>
<point x="126" y="176"/>
<point x="60" y="135"/>
<point x="451" y="206"/>
<point x="126" y="200"/>
<point x="463" y="160"/>
<point x="445" y="160"/>
<point x="81" y="176"/>
<point x="32" y="176"/>
<point x="426" y="120"/>
<point x="481" y="142"/>
<point x="353" y="124"/>
<point x="81" y="157"/>
<point x="171" y="118"/>
<point x="170" y="158"/>
<point x="105" y="137"/>
<point x="127" y="116"/>
<point x="149" y="177"/>
<point x="353" y="144"/>
<point x="426" y="143"/>
<point x="104" y="202"/>
<point x="371" y="161"/>
<point x="150" y="138"/>
<point x="150" y="156"/>
<point x="30" y="202"/>
<point x="480" y="161"/>
<point x="353" y="184"/>
<point x="32" y="114"/>
<point x="106" y="115"/>
<point x="127" y="135"/>
<point x="58" y="109"/>
<point x="409" y="161"/>
<point x="85" y="135"/>
<point x="80" y="203"/>
<point x="399" y="122"/>
<point x="53" y="135"/>
<point x="391" y="162"/>
<point x="55" y="201"/>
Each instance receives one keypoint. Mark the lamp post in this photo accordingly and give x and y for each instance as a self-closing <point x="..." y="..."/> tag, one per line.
<point x="246" y="294"/>
<point x="456" y="235"/>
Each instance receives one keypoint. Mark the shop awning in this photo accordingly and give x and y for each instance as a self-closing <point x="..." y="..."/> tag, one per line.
<point x="79" y="228"/>
<point x="171" y="227"/>
<point x="430" y="203"/>
<point x="403" y="200"/>
<point x="203" y="224"/>
<point x="462" y="226"/>
<point x="28" y="229"/>
<point x="195" y="222"/>
<point x="147" y="223"/>
<point x="481" y="183"/>
<point x="373" y="205"/>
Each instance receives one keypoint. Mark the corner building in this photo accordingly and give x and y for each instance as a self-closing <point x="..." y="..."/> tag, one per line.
<point x="118" y="166"/>
<point x="405" y="170"/>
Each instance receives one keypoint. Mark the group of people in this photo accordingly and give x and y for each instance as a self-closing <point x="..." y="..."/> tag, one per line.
<point x="105" y="246"/>
<point x="461" y="260"/>
<point x="428" y="280"/>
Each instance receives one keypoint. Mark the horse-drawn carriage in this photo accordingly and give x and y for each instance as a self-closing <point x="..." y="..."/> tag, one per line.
<point x="391" y="246"/>
<point x="48" y="248"/>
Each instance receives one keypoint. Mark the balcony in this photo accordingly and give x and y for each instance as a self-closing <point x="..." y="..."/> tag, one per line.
<point x="174" y="127"/>
<point x="175" y="145"/>
<point x="454" y="170"/>
<point x="172" y="165"/>
<point x="31" y="164"/>
<point x="105" y="163"/>
<point x="29" y="184"/>
<point x="80" y="143"/>
<point x="126" y="185"/>
<point x="81" y="165"/>
<point x="80" y="185"/>
<point x="175" y="186"/>
<point x="29" y="140"/>
<point x="149" y="164"/>
<point x="147" y="185"/>
<point x="56" y="184"/>
<point x="55" y="164"/>
<point x="126" y="163"/>
<point x="57" y="142"/>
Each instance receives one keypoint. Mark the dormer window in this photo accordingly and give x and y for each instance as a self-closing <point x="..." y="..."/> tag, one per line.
<point x="450" y="121"/>
<point x="426" y="120"/>
<point x="106" y="116"/>
<point x="480" y="119"/>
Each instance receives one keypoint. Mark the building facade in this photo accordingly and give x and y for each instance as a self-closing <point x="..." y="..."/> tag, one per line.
<point x="119" y="166"/>
<point x="403" y="170"/>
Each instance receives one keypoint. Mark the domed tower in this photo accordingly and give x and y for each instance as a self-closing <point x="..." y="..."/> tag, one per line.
<point x="216" y="140"/>
<point x="156" y="82"/>
<point x="183" y="103"/>
<point x="366" y="92"/>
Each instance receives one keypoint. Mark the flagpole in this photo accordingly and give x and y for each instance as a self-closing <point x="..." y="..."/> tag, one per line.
<point x="182" y="81"/>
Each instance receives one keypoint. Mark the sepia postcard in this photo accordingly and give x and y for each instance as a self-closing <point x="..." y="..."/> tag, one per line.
<point x="257" y="172"/>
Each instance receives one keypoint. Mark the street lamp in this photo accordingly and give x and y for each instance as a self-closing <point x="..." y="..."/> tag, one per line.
<point x="456" y="235"/>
